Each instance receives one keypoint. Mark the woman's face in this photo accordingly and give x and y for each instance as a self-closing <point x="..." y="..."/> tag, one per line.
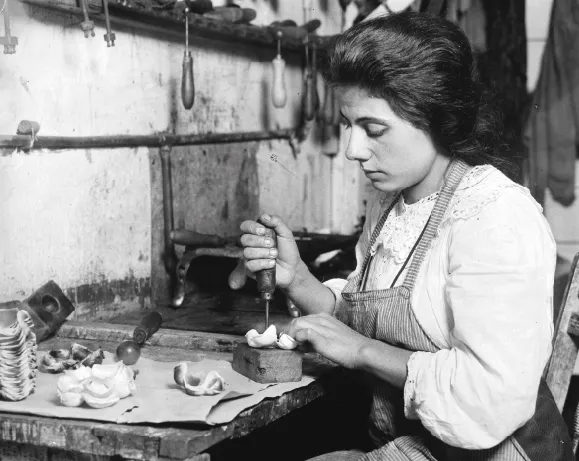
<point x="393" y="154"/>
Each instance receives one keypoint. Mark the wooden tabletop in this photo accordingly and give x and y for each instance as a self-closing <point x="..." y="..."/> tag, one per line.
<point x="151" y="442"/>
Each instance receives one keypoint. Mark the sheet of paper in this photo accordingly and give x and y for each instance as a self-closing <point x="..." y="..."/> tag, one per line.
<point x="158" y="399"/>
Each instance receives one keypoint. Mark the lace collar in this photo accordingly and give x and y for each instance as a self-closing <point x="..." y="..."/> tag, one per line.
<point x="481" y="185"/>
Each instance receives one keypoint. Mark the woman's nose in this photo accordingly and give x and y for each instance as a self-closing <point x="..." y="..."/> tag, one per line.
<point x="357" y="149"/>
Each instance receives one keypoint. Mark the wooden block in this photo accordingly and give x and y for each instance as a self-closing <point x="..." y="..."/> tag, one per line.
<point x="267" y="365"/>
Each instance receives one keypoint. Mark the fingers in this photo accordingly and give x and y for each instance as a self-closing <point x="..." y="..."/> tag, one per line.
<point x="260" y="253"/>
<point x="292" y="309"/>
<point x="237" y="278"/>
<point x="250" y="240"/>
<point x="307" y="335"/>
<point x="315" y="322"/>
<point x="254" y="265"/>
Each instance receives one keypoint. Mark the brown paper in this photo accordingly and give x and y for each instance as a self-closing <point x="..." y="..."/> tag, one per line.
<point x="158" y="398"/>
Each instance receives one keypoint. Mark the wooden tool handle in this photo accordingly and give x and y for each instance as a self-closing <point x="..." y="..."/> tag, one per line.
<point x="149" y="325"/>
<point x="337" y="115"/>
<point x="309" y="103"/>
<point x="266" y="278"/>
<point x="279" y="94"/>
<point x="328" y="109"/>
<point x="199" y="6"/>
<point x="226" y="13"/>
<point x="187" y="83"/>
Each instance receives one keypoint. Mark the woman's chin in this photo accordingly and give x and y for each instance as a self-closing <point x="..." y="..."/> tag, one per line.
<point x="384" y="186"/>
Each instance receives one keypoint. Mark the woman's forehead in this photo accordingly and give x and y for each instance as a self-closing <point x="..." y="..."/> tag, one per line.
<point x="360" y="103"/>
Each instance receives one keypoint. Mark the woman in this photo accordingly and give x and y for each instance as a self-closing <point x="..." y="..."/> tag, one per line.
<point x="449" y="310"/>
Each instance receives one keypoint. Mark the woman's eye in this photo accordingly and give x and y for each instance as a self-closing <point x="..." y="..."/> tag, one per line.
<point x="375" y="131"/>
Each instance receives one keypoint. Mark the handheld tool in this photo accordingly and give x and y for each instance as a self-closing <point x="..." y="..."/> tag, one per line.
<point x="8" y="40"/>
<point x="309" y="98"/>
<point x="187" y="82"/>
<point x="87" y="25"/>
<point x="266" y="279"/>
<point x="28" y="127"/>
<point x="195" y="6"/>
<point x="149" y="325"/>
<point x="129" y="351"/>
<point x="109" y="36"/>
<point x="279" y="94"/>
<point x="314" y="67"/>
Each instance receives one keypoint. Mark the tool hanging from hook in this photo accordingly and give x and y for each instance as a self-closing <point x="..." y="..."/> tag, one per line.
<point x="8" y="40"/>
<point x="310" y="92"/>
<point x="109" y="36"/>
<point x="87" y="25"/>
<point x="187" y="82"/>
<point x="309" y="104"/>
<point x="344" y="5"/>
<point x="279" y="93"/>
<point x="315" y="96"/>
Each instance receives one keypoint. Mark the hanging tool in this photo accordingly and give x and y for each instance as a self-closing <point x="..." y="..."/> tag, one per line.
<point x="330" y="145"/>
<point x="266" y="278"/>
<point x="279" y="94"/>
<point x="187" y="82"/>
<point x="294" y="32"/>
<point x="109" y="36"/>
<point x="195" y="6"/>
<point x="149" y="325"/>
<point x="28" y="127"/>
<point x="129" y="351"/>
<point x="308" y="103"/>
<point x="309" y="97"/>
<point x="232" y="13"/>
<point x="307" y="7"/>
<point x="87" y="25"/>
<point x="8" y="40"/>
<point x="224" y="13"/>
<point x="344" y="5"/>
<point x="314" y="66"/>
<point x="199" y="6"/>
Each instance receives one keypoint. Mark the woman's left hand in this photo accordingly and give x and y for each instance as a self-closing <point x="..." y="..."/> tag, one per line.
<point x="330" y="338"/>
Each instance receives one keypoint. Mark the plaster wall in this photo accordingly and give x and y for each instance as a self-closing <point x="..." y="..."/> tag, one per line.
<point x="89" y="219"/>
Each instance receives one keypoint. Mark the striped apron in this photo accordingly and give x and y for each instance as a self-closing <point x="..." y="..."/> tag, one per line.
<point x="387" y="315"/>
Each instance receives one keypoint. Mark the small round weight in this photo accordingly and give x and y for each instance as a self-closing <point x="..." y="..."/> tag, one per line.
<point x="129" y="352"/>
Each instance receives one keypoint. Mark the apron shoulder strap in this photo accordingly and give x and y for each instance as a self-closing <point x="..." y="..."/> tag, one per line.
<point x="375" y="234"/>
<point x="457" y="171"/>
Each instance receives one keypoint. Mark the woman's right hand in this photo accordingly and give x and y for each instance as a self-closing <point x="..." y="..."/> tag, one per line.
<point x="259" y="254"/>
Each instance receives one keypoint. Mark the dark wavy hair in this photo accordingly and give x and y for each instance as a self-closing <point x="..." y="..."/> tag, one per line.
<point x="424" y="67"/>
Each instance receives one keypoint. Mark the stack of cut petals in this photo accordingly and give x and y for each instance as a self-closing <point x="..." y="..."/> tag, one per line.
<point x="17" y="358"/>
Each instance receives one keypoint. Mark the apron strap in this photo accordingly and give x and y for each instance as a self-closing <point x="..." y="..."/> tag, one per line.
<point x="457" y="171"/>
<point x="373" y="238"/>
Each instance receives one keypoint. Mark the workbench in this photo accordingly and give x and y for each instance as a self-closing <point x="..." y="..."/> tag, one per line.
<point x="44" y="438"/>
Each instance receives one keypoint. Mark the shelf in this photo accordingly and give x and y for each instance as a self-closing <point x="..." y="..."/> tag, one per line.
<point x="171" y="24"/>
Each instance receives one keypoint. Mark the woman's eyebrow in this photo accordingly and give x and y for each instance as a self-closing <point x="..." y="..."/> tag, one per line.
<point x="381" y="121"/>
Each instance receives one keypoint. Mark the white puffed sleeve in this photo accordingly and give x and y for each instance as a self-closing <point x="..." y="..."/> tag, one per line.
<point x="499" y="287"/>
<point x="373" y="213"/>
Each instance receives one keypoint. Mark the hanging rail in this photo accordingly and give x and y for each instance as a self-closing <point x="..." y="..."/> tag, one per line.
<point x="169" y="25"/>
<point x="27" y="142"/>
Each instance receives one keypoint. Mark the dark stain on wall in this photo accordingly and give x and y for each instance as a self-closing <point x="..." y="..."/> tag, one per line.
<point x="98" y="300"/>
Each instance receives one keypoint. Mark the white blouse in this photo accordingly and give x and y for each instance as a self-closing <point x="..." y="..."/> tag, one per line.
<point x="483" y="295"/>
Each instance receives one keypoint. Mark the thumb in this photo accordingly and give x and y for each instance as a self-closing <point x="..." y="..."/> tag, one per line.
<point x="276" y="223"/>
<point x="237" y="278"/>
